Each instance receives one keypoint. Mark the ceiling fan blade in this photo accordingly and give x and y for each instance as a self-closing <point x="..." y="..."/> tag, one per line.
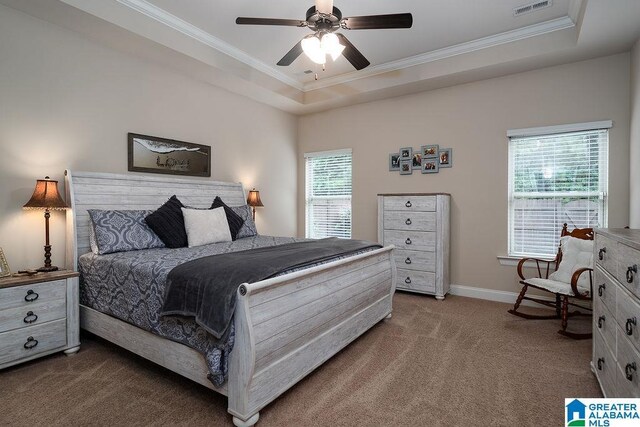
<point x="291" y="55"/>
<point x="397" y="20"/>
<point x="352" y="54"/>
<point x="324" y="6"/>
<point x="270" y="21"/>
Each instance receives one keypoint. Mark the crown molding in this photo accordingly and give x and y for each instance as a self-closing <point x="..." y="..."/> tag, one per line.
<point x="447" y="52"/>
<point x="172" y="21"/>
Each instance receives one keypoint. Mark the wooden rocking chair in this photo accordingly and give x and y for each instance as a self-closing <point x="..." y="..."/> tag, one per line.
<point x="563" y="291"/>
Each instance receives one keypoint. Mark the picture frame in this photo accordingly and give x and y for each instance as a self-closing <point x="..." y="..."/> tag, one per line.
<point x="405" y="167"/>
<point x="167" y="156"/>
<point x="406" y="153"/>
<point x="4" y="266"/>
<point x="429" y="151"/>
<point x="430" y="165"/>
<point x="416" y="161"/>
<point x="394" y="161"/>
<point x="445" y="158"/>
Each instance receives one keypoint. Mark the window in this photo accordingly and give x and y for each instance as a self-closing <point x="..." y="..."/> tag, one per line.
<point x="328" y="194"/>
<point x="557" y="175"/>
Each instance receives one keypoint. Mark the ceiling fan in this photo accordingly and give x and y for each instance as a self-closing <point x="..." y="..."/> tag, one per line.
<point x="324" y="20"/>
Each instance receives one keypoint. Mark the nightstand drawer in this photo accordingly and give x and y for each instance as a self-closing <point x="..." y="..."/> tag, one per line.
<point x="413" y="240"/>
<point x="415" y="260"/>
<point x="26" y="342"/>
<point x="409" y="203"/>
<point x="34" y="314"/>
<point x="422" y="221"/>
<point x="416" y="280"/>
<point x="27" y="295"/>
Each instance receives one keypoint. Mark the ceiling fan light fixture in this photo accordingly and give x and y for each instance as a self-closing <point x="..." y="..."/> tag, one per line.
<point x="312" y="48"/>
<point x="331" y="45"/>
<point x="324" y="6"/>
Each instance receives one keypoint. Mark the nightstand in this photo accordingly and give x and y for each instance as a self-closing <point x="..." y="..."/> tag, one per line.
<point x="39" y="315"/>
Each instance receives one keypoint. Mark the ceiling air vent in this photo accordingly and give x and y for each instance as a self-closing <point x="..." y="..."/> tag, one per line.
<point x="531" y="7"/>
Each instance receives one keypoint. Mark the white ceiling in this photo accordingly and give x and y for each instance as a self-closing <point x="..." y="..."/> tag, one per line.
<point x="451" y="42"/>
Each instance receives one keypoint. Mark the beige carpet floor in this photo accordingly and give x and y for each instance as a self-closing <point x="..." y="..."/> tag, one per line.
<point x="454" y="363"/>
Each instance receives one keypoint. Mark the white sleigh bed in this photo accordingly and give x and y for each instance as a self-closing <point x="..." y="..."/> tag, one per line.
<point x="263" y="363"/>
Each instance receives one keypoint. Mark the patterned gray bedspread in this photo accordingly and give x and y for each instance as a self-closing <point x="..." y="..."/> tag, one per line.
<point x="131" y="285"/>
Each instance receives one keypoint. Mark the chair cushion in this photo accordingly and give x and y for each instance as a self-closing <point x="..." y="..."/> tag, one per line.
<point x="576" y="254"/>
<point x="555" y="286"/>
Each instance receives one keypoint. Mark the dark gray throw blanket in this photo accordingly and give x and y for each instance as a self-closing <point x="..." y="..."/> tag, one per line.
<point x="205" y="288"/>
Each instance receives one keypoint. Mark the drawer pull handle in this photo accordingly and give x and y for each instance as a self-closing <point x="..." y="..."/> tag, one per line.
<point x="408" y="241"/>
<point x="629" y="370"/>
<point x="31" y="343"/>
<point x="630" y="272"/>
<point x="30" y="317"/>
<point x="407" y="261"/>
<point x="628" y="327"/>
<point x="601" y="253"/>
<point x="408" y="204"/>
<point x="408" y="221"/>
<point x="601" y="320"/>
<point x="31" y="296"/>
<point x="407" y="280"/>
<point x="600" y="363"/>
<point x="601" y="289"/>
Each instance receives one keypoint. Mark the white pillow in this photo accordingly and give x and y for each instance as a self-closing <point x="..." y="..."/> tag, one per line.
<point x="576" y="254"/>
<point x="206" y="226"/>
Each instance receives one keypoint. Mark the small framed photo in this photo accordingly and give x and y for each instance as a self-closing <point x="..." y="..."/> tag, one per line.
<point x="444" y="157"/>
<point x="4" y="267"/>
<point x="430" y="151"/>
<point x="406" y="153"/>
<point x="394" y="161"/>
<point x="430" y="165"/>
<point x="416" y="162"/>
<point x="405" y="167"/>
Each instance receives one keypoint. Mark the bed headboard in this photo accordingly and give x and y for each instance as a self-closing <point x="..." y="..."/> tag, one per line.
<point x="94" y="190"/>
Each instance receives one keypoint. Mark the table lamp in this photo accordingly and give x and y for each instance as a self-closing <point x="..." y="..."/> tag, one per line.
<point x="46" y="196"/>
<point x="254" y="201"/>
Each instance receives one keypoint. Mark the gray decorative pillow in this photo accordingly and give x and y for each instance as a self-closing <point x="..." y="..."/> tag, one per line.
<point x="248" y="229"/>
<point x="121" y="231"/>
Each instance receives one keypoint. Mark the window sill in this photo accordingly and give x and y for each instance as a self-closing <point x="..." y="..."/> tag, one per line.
<point x="513" y="261"/>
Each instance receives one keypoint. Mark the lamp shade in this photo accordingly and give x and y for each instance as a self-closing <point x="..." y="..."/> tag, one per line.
<point x="254" y="198"/>
<point x="46" y="196"/>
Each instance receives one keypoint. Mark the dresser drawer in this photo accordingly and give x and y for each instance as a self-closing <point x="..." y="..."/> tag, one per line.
<point x="604" y="364"/>
<point x="605" y="322"/>
<point x="419" y="221"/>
<point x="410" y="204"/>
<point x="34" y="314"/>
<point x="628" y="365"/>
<point x="415" y="260"/>
<point x="416" y="280"/>
<point x="628" y="316"/>
<point x="15" y="345"/>
<point x="27" y="295"/>
<point x="606" y="248"/>
<point x="412" y="240"/>
<point x="628" y="271"/>
<point x="604" y="289"/>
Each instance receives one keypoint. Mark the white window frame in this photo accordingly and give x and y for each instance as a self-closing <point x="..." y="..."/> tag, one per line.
<point x="309" y="199"/>
<point x="545" y="131"/>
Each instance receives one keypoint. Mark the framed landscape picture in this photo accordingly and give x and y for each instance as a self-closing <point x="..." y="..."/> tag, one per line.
<point x="168" y="156"/>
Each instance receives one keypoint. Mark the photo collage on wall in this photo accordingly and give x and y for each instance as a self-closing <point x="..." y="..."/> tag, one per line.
<point x="429" y="159"/>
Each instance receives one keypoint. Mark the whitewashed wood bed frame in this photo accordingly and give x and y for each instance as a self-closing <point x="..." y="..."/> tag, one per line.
<point x="285" y="326"/>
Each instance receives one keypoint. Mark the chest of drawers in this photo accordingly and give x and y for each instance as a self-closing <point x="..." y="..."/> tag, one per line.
<point x="616" y="312"/>
<point x="418" y="226"/>
<point x="39" y="315"/>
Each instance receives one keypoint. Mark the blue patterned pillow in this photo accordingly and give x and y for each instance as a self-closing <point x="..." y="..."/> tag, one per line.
<point x="121" y="231"/>
<point x="248" y="229"/>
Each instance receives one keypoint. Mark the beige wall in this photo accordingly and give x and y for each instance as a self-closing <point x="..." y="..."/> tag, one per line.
<point x="473" y="119"/>
<point x="68" y="102"/>
<point x="634" y="149"/>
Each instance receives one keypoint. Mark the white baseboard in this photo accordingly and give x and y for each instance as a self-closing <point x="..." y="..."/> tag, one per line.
<point x="494" y="295"/>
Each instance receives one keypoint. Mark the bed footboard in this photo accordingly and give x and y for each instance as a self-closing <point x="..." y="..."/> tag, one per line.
<point x="289" y="325"/>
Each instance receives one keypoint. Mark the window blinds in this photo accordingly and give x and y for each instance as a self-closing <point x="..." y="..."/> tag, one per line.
<point x="328" y="194"/>
<point x="555" y="179"/>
